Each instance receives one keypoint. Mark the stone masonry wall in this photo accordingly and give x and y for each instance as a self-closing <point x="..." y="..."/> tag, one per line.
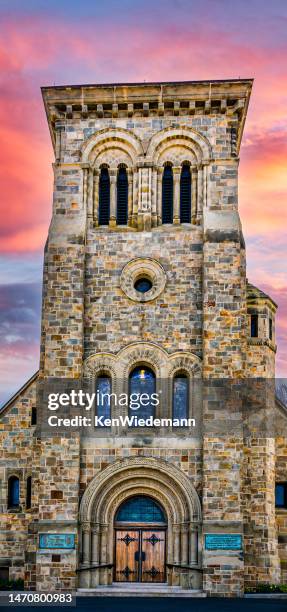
<point x="173" y="320"/>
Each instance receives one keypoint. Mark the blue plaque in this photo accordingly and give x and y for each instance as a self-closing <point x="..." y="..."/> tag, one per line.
<point x="223" y="541"/>
<point x="57" y="540"/>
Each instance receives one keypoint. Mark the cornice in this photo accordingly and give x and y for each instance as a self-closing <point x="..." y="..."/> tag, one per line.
<point x="183" y="98"/>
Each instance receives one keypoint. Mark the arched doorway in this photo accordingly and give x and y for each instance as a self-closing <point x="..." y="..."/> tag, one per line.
<point x="140" y="541"/>
<point x="107" y="499"/>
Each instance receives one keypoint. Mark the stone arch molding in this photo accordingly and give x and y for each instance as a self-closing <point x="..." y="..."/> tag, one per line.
<point x="103" y="141"/>
<point x="148" y="475"/>
<point x="164" y="364"/>
<point x="196" y="145"/>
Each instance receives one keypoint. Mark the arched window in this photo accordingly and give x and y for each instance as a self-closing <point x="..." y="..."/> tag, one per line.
<point x="104" y="197"/>
<point x="103" y="396"/>
<point x="142" y="382"/>
<point x="185" y="194"/>
<point x="180" y="396"/>
<point x="13" y="492"/>
<point x="122" y="196"/>
<point x="140" y="509"/>
<point x="28" y="492"/>
<point x="34" y="415"/>
<point x="167" y="195"/>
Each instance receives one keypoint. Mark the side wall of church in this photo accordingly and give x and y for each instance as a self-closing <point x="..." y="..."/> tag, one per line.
<point x="19" y="456"/>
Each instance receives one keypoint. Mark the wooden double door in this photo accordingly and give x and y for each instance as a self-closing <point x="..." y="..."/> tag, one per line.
<point x="140" y="555"/>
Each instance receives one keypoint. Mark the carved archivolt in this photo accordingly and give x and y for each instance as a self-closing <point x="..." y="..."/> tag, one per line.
<point x="164" y="365"/>
<point x="146" y="475"/>
<point x="112" y="154"/>
<point x="187" y="138"/>
<point x="109" y="138"/>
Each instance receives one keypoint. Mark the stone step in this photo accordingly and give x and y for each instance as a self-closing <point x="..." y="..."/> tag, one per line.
<point x="139" y="590"/>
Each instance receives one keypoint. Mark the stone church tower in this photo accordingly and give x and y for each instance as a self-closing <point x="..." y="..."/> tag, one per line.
<point x="145" y="278"/>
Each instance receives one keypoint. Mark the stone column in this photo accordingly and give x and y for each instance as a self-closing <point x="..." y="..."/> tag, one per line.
<point x="199" y="192"/>
<point x="95" y="555"/>
<point x="176" y="194"/>
<point x="135" y="198"/>
<point x="95" y="545"/>
<point x="86" y="527"/>
<point x="184" y="544"/>
<point x="104" y="554"/>
<point x="130" y="195"/>
<point x="193" y="545"/>
<point x="85" y="168"/>
<point x="113" y="198"/>
<point x="90" y="193"/>
<point x="176" y="544"/>
<point x="154" y="198"/>
<point x="159" y="195"/>
<point x="104" y="543"/>
<point x="96" y="197"/>
<point x="194" y="180"/>
<point x="144" y="198"/>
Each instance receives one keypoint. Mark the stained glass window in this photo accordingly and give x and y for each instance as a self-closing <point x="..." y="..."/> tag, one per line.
<point x="13" y="492"/>
<point x="180" y="396"/>
<point x="140" y="509"/>
<point x="141" y="388"/>
<point x="103" y="391"/>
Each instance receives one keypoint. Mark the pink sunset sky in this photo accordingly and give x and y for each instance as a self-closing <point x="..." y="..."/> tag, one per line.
<point x="71" y="42"/>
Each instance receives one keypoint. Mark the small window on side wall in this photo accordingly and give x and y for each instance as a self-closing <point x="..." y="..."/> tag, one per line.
<point x="103" y="397"/>
<point x="281" y="495"/>
<point x="28" y="492"/>
<point x="34" y="415"/>
<point x="254" y="326"/>
<point x="270" y="329"/>
<point x="180" y="397"/>
<point x="13" y="492"/>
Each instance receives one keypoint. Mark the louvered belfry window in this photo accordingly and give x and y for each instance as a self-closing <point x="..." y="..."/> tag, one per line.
<point x="185" y="194"/>
<point x="167" y="195"/>
<point x="122" y="196"/>
<point x="104" y="197"/>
